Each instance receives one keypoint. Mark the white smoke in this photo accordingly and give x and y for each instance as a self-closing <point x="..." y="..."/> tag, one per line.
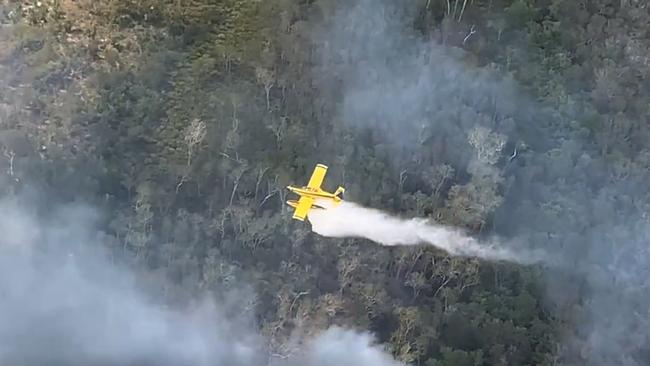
<point x="63" y="302"/>
<point x="351" y="220"/>
<point x="341" y="347"/>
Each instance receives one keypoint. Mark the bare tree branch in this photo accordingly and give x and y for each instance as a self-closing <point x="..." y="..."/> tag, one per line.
<point x="462" y="10"/>
<point x="296" y="298"/>
<point x="471" y="31"/>
<point x="514" y="154"/>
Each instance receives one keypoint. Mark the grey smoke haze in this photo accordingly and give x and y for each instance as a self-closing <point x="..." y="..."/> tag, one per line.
<point x="560" y="197"/>
<point x="415" y="93"/>
<point x="64" y="303"/>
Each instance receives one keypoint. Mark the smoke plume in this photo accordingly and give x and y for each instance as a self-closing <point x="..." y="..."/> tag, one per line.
<point x="65" y="302"/>
<point x="344" y="347"/>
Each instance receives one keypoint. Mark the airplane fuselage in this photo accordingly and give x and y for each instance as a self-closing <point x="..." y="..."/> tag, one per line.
<point x="312" y="196"/>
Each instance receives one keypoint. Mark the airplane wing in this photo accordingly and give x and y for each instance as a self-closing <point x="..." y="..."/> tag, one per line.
<point x="304" y="204"/>
<point x="317" y="176"/>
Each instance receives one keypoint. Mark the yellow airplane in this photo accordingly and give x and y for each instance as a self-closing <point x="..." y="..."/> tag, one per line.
<point x="313" y="192"/>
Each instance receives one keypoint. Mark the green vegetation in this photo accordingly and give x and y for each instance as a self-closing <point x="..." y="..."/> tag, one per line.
<point x="186" y="119"/>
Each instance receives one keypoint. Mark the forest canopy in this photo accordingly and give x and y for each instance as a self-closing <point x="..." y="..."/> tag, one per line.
<point x="180" y="123"/>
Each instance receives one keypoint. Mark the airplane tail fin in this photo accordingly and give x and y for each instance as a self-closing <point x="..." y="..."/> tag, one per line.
<point x="339" y="192"/>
